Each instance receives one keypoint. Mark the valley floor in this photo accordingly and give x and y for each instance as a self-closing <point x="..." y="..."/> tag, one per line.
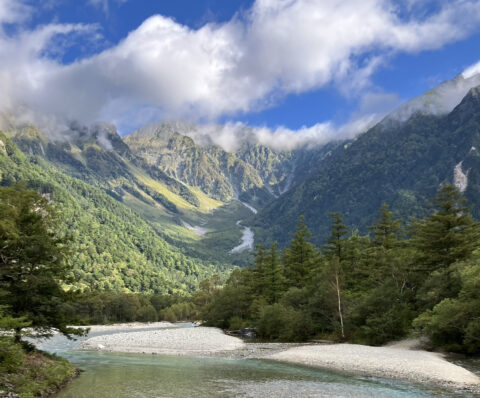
<point x="401" y="361"/>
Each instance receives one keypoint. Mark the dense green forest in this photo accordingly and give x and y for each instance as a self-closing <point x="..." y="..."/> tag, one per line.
<point x="372" y="288"/>
<point x="113" y="248"/>
<point x="422" y="277"/>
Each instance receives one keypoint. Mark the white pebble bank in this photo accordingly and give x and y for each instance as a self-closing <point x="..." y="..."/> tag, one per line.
<point x="390" y="362"/>
<point x="181" y="341"/>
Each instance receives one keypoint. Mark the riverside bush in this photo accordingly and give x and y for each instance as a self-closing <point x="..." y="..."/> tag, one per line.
<point x="11" y="355"/>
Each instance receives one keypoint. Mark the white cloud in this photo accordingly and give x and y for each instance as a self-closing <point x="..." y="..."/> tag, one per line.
<point x="471" y="71"/>
<point x="13" y="11"/>
<point x="164" y="69"/>
<point x="232" y="135"/>
<point x="442" y="99"/>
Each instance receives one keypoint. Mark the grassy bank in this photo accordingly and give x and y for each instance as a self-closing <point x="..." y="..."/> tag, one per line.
<point x="31" y="373"/>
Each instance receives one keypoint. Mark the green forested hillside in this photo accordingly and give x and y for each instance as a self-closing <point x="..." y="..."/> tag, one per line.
<point x="396" y="162"/>
<point x="198" y="225"/>
<point x="112" y="246"/>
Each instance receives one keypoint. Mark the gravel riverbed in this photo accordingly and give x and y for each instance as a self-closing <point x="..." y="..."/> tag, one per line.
<point x="389" y="362"/>
<point x="400" y="361"/>
<point x="181" y="341"/>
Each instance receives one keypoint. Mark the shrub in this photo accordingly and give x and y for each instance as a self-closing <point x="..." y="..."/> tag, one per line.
<point x="147" y="314"/>
<point x="11" y="355"/>
<point x="236" y="323"/>
<point x="277" y="322"/>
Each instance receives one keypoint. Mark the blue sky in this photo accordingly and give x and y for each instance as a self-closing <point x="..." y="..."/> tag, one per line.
<point x="319" y="66"/>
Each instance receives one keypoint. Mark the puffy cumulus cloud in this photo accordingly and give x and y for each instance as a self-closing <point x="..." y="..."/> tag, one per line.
<point x="27" y="70"/>
<point x="167" y="70"/>
<point x="300" y="45"/>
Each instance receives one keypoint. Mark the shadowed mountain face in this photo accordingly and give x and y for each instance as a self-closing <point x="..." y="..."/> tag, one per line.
<point x="401" y="163"/>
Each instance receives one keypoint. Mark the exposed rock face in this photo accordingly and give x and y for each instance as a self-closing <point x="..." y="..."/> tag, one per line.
<point x="253" y="173"/>
<point x="460" y="179"/>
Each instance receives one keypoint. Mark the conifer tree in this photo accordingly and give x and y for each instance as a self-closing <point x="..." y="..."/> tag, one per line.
<point x="269" y="278"/>
<point x="385" y="231"/>
<point x="335" y="242"/>
<point x="301" y="257"/>
<point x="261" y="259"/>
<point x="274" y="275"/>
<point x="450" y="234"/>
<point x="33" y="263"/>
<point x="386" y="255"/>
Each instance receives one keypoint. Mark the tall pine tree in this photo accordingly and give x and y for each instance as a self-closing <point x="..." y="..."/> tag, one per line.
<point x="448" y="236"/>
<point x="386" y="230"/>
<point x="336" y="241"/>
<point x="301" y="258"/>
<point x="268" y="274"/>
<point x="33" y="264"/>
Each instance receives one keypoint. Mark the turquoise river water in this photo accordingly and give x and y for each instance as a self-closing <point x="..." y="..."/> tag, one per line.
<point x="110" y="375"/>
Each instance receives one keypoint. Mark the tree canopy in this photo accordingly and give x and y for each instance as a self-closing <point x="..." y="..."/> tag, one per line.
<point x="34" y="266"/>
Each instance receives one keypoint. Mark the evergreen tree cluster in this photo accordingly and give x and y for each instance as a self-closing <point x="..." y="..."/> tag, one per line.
<point x="106" y="307"/>
<point x="422" y="277"/>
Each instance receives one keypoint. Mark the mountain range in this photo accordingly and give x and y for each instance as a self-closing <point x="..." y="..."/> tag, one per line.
<point x="160" y="209"/>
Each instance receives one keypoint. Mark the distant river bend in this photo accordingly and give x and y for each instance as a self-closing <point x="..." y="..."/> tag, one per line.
<point x="246" y="240"/>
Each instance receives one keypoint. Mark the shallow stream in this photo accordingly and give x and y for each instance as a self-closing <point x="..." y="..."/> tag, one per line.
<point x="110" y="375"/>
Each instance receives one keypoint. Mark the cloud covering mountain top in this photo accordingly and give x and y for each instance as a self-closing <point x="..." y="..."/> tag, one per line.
<point x="164" y="69"/>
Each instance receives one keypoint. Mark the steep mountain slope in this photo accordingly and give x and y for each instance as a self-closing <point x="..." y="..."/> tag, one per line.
<point x="97" y="155"/>
<point x="253" y="173"/>
<point x="187" y="218"/>
<point x="114" y="248"/>
<point x="220" y="174"/>
<point x="398" y="162"/>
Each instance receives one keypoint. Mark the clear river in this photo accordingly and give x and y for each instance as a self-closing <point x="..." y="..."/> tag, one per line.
<point x="110" y="375"/>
